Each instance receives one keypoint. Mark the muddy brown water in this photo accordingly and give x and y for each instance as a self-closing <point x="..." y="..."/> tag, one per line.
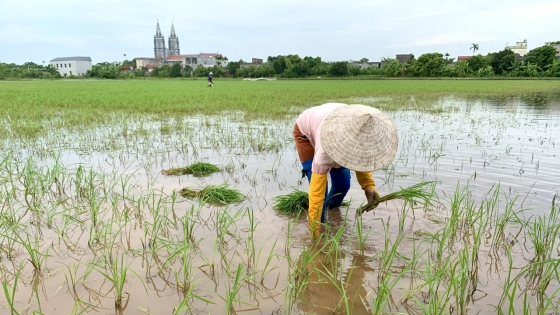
<point x="479" y="144"/>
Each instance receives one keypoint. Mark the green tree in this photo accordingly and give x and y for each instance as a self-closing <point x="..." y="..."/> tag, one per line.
<point x="392" y="67"/>
<point x="220" y="60"/>
<point x="201" y="71"/>
<point x="364" y="60"/>
<point x="232" y="67"/>
<point x="485" y="72"/>
<point x="313" y="62"/>
<point x="553" y="69"/>
<point x="353" y="70"/>
<point x="477" y="62"/>
<point x="187" y="71"/>
<point x="278" y="63"/>
<point x="532" y="69"/>
<point x="542" y="56"/>
<point x="462" y="68"/>
<point x="517" y="69"/>
<point x="175" y="71"/>
<point x="339" y="69"/>
<point x="474" y="48"/>
<point x="429" y="65"/>
<point x="502" y="61"/>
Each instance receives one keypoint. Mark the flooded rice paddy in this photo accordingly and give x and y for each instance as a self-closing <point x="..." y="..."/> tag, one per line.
<point x="89" y="223"/>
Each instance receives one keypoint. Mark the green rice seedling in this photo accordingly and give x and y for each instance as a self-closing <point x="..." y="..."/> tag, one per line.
<point x="418" y="193"/>
<point x="116" y="271"/>
<point x="544" y="234"/>
<point x="214" y="194"/>
<point x="333" y="252"/>
<point x="32" y="246"/>
<point x="295" y="202"/>
<point x="39" y="311"/>
<point x="300" y="272"/>
<point x="189" y="224"/>
<point x="10" y="295"/>
<point x="232" y="291"/>
<point x="439" y="295"/>
<point x="385" y="278"/>
<point x="184" y="274"/>
<point x="332" y="277"/>
<point x="264" y="269"/>
<point x="361" y="236"/>
<point x="196" y="169"/>
<point x="185" y="305"/>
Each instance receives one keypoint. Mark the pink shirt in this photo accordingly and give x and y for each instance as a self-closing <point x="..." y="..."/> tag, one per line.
<point x="309" y="123"/>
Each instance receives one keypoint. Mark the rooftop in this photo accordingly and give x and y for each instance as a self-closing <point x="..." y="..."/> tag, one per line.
<point x="71" y="59"/>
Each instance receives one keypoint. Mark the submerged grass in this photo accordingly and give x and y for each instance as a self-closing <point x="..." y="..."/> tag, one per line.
<point x="214" y="194"/>
<point x="196" y="169"/>
<point x="295" y="202"/>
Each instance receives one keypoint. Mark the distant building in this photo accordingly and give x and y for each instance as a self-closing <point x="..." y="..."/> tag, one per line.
<point x="142" y="62"/>
<point x="160" y="50"/>
<point x="402" y="58"/>
<point x="365" y="65"/>
<point x="71" y="65"/>
<point x="459" y="58"/>
<point x="257" y="62"/>
<point x="206" y="60"/>
<point x="520" y="48"/>
<point x="557" y="47"/>
<point x="171" y="54"/>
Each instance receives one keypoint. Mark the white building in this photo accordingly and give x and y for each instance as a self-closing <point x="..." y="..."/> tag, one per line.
<point x="520" y="48"/>
<point x="67" y="66"/>
<point x="195" y="60"/>
<point x="557" y="47"/>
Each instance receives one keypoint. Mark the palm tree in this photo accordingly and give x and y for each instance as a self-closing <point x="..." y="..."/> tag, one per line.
<point x="474" y="48"/>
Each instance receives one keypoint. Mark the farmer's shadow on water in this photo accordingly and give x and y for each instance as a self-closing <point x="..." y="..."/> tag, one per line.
<point x="325" y="293"/>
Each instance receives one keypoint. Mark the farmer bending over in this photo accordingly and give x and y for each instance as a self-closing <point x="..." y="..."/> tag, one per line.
<point x="210" y="83"/>
<point x="335" y="138"/>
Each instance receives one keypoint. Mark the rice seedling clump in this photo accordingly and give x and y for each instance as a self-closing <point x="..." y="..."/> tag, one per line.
<point x="418" y="193"/>
<point x="196" y="169"/>
<point x="214" y="194"/>
<point x="295" y="202"/>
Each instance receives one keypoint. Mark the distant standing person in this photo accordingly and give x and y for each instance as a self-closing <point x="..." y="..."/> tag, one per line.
<point x="210" y="83"/>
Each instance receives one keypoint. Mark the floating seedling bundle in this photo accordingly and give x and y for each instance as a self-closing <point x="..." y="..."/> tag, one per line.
<point x="214" y="194"/>
<point x="196" y="169"/>
<point x="295" y="202"/>
<point x="420" y="193"/>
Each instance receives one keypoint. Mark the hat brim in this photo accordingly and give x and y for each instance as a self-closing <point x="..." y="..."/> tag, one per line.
<point x="359" y="137"/>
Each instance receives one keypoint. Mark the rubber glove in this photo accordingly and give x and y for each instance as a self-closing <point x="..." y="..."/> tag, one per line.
<point x="368" y="185"/>
<point x="317" y="188"/>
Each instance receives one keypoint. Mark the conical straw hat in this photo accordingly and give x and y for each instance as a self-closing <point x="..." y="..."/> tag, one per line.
<point x="359" y="137"/>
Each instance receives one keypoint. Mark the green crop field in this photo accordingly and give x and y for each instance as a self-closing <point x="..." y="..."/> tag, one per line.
<point x="158" y="197"/>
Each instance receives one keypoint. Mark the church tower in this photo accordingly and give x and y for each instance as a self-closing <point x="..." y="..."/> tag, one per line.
<point x="173" y="43"/>
<point x="159" y="45"/>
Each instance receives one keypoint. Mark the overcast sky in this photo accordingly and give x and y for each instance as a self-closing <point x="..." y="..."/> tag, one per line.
<point x="40" y="30"/>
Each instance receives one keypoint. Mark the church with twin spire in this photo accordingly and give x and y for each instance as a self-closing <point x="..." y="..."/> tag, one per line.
<point x="160" y="49"/>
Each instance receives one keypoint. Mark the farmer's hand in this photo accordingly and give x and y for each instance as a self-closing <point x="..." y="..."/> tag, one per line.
<point x="371" y="195"/>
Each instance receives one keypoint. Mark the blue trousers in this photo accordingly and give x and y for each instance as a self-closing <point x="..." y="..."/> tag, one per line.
<point x="340" y="184"/>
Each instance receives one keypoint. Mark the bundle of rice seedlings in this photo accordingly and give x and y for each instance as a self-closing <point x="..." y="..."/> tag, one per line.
<point x="215" y="194"/>
<point x="420" y="193"/>
<point x="295" y="202"/>
<point x="197" y="169"/>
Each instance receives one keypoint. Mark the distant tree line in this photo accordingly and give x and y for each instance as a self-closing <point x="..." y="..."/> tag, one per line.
<point x="539" y="62"/>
